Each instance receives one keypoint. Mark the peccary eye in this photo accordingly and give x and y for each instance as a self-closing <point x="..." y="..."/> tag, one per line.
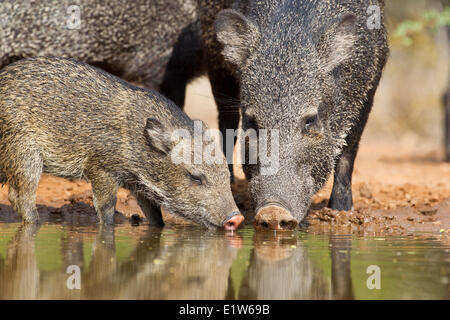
<point x="198" y="179"/>
<point x="310" y="121"/>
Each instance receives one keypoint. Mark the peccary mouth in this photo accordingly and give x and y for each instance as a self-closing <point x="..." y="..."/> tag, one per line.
<point x="231" y="215"/>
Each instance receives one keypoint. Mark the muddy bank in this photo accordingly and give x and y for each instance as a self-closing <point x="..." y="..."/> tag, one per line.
<point x="394" y="191"/>
<point x="393" y="212"/>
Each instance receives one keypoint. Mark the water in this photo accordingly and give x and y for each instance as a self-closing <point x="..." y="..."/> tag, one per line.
<point x="192" y="263"/>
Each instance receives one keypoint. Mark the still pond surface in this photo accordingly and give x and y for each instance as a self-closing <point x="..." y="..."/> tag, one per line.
<point x="128" y="262"/>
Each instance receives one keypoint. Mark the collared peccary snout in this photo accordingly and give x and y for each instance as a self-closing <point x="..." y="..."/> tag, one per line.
<point x="66" y="118"/>
<point x="310" y="70"/>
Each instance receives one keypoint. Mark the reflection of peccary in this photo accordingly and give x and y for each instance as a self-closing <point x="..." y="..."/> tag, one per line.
<point x="280" y="268"/>
<point x="179" y="273"/>
<point x="69" y="119"/>
<point x="19" y="276"/>
<point x="310" y="69"/>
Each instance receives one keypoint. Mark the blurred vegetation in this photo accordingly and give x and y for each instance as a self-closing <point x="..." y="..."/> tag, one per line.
<point x="408" y="106"/>
<point x="430" y="20"/>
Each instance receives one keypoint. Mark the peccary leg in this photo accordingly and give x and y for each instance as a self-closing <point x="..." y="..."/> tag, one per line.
<point x="174" y="84"/>
<point x="184" y="64"/>
<point x="22" y="190"/>
<point x="23" y="201"/>
<point x="341" y="195"/>
<point x="104" y="189"/>
<point x="12" y="197"/>
<point x="226" y="94"/>
<point x="151" y="210"/>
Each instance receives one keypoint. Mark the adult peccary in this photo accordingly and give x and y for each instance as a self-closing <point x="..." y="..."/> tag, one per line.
<point x="155" y="43"/>
<point x="69" y="119"/>
<point x="309" y="68"/>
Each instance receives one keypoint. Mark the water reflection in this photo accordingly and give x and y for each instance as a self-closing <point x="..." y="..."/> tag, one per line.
<point x="178" y="265"/>
<point x="341" y="280"/>
<point x="164" y="264"/>
<point x="280" y="269"/>
<point x="192" y="263"/>
<point x="20" y="275"/>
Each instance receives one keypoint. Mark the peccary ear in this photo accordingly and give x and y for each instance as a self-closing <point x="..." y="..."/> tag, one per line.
<point x="238" y="35"/>
<point x="335" y="45"/>
<point x="156" y="136"/>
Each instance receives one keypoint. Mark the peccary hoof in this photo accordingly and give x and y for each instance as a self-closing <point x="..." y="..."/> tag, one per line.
<point x="343" y="203"/>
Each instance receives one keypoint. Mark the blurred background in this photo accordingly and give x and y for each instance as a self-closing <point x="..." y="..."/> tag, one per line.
<point x="409" y="106"/>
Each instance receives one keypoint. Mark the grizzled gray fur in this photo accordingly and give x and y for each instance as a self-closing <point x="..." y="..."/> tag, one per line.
<point x="69" y="119"/>
<point x="131" y="39"/>
<point x="307" y="67"/>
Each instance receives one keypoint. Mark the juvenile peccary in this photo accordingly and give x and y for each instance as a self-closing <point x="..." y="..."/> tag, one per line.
<point x="69" y="119"/>
<point x="309" y="69"/>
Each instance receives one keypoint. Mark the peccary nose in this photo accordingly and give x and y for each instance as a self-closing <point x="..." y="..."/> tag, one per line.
<point x="274" y="217"/>
<point x="234" y="222"/>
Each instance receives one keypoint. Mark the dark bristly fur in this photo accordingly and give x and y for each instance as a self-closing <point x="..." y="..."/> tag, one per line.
<point x="69" y="119"/>
<point x="309" y="68"/>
